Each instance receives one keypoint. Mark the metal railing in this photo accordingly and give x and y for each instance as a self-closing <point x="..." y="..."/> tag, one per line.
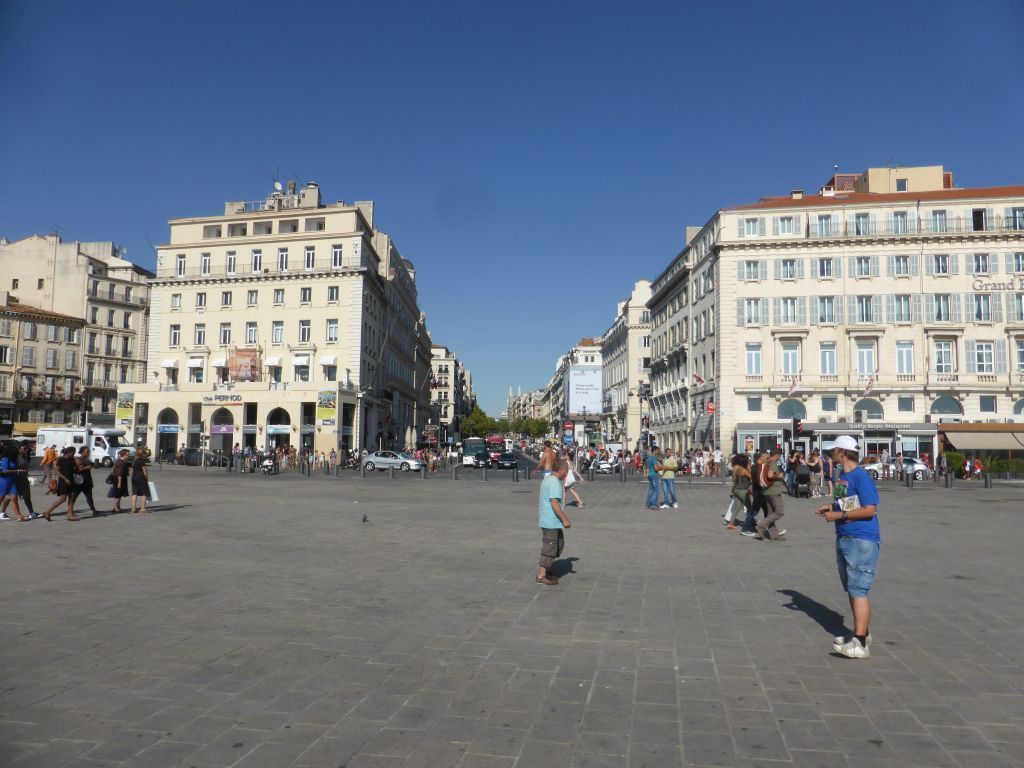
<point x="246" y="271"/>
<point x="914" y="227"/>
<point x="119" y="298"/>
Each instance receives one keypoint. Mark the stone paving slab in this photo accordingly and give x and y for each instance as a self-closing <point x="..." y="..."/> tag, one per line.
<point x="253" y="621"/>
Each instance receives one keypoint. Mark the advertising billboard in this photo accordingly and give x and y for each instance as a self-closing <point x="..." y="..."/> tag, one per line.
<point x="125" y="411"/>
<point x="583" y="390"/>
<point x="327" y="408"/>
<point x="244" y="365"/>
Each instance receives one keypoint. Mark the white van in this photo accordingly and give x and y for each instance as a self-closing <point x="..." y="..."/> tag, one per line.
<point x="103" y="442"/>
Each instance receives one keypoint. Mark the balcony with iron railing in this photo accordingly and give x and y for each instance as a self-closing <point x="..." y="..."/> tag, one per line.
<point x="36" y="393"/>
<point x="366" y="259"/>
<point x="100" y="383"/>
<point x="119" y="297"/>
<point x="915" y="227"/>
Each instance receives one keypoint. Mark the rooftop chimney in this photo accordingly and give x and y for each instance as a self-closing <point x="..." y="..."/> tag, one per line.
<point x="797" y="194"/>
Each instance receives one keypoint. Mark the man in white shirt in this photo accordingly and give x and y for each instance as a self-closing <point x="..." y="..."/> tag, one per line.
<point x="717" y="455"/>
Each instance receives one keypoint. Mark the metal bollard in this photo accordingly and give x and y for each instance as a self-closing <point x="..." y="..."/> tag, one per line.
<point x="455" y="475"/>
<point x="529" y="473"/>
<point x="423" y="472"/>
<point x="391" y="473"/>
<point x="949" y="479"/>
<point x="590" y="472"/>
<point x="988" y="479"/>
<point x="327" y="468"/>
<point x="515" y="474"/>
<point x="362" y="470"/>
<point x="910" y="480"/>
<point x="622" y="476"/>
<point x="483" y="474"/>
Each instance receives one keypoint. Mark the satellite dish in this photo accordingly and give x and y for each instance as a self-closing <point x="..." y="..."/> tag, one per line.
<point x="277" y="186"/>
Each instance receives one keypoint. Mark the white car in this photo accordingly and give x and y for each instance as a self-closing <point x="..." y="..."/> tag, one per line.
<point x="916" y="466"/>
<point x="386" y="459"/>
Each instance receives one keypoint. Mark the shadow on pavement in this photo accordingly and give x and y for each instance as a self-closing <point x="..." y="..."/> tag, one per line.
<point x="829" y="620"/>
<point x="562" y="567"/>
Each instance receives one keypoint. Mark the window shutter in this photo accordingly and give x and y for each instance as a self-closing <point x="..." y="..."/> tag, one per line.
<point x="837" y="267"/>
<point x="739" y="313"/>
<point x="929" y="309"/>
<point x="990" y="219"/>
<point x="815" y="309"/>
<point x="851" y="262"/>
<point x="890" y="307"/>
<point x="873" y="224"/>
<point x="1007" y="220"/>
<point x="876" y="309"/>
<point x="760" y="225"/>
<point x="797" y="231"/>
<point x="775" y="225"/>
<point x="1009" y="264"/>
<point x="912" y="222"/>
<point x="776" y="311"/>
<point x="800" y="269"/>
<point x="762" y="269"/>
<point x="777" y="267"/>
<point x="891" y="264"/>
<point x="851" y="306"/>
<point x="915" y="267"/>
<point x="969" y="307"/>
<point x="1000" y="354"/>
<point x="874" y="266"/>
<point x="954" y="306"/>
<point x="929" y="265"/>
<point x="801" y="310"/>
<point x="972" y="361"/>
<point x="851" y="225"/>
<point x="837" y="309"/>
<point x="969" y="264"/>
<point x="915" y="308"/>
<point x="890" y="223"/>
<point x="996" y="302"/>
<point x="993" y="263"/>
<point x="739" y="271"/>
<point x="954" y="263"/>
<point x="741" y="227"/>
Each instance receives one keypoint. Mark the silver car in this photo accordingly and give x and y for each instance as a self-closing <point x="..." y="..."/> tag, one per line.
<point x="913" y="466"/>
<point x="386" y="459"/>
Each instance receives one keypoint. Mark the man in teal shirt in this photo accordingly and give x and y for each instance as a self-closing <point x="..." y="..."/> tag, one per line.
<point x="653" y="479"/>
<point x="552" y="520"/>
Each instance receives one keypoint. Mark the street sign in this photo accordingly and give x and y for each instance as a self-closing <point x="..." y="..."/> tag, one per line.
<point x="711" y="408"/>
<point x="430" y="428"/>
<point x="568" y="439"/>
<point x="568" y="425"/>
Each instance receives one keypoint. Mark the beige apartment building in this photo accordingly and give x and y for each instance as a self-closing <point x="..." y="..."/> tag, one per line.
<point x="884" y="304"/>
<point x="93" y="281"/>
<point x="573" y="393"/>
<point x="452" y="397"/>
<point x="625" y="360"/>
<point x="283" y="321"/>
<point x="40" y="367"/>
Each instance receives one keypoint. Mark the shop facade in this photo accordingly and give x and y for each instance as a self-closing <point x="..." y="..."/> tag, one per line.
<point x="909" y="438"/>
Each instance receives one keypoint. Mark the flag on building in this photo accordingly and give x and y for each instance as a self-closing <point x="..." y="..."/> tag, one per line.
<point x="792" y="386"/>
<point x="697" y="380"/>
<point x="870" y="385"/>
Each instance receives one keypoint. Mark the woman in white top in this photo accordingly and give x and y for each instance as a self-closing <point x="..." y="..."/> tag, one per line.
<point x="571" y="478"/>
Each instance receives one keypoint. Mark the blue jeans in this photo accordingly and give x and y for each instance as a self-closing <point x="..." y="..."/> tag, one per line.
<point x="668" y="488"/>
<point x="857" y="560"/>
<point x="652" y="491"/>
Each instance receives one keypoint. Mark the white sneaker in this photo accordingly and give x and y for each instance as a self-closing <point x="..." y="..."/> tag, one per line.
<point x="675" y="506"/>
<point x="843" y="639"/>
<point x="663" y="506"/>
<point x="3" y="516"/>
<point x="853" y="649"/>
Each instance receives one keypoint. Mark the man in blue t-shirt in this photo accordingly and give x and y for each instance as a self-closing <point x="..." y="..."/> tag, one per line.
<point x="552" y="520"/>
<point x="653" y="463"/>
<point x="858" y="538"/>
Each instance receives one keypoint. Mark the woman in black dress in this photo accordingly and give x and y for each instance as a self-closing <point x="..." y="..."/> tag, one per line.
<point x="140" y="480"/>
<point x="120" y="474"/>
<point x="83" y="466"/>
<point x="65" y="469"/>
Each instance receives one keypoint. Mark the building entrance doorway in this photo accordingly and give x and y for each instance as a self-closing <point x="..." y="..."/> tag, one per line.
<point x="279" y="430"/>
<point x="167" y="434"/>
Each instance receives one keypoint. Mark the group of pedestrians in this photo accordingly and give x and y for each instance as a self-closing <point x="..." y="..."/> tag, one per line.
<point x="69" y="476"/>
<point x="661" y="475"/>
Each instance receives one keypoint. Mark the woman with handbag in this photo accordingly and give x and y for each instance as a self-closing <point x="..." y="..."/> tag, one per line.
<point x="9" y="473"/>
<point x="83" y="479"/>
<point x="739" y="495"/>
<point x="140" y="482"/>
<point x="65" y="490"/>
<point x="118" y="479"/>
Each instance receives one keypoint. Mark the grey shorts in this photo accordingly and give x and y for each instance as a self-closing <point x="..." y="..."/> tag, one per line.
<point x="552" y="544"/>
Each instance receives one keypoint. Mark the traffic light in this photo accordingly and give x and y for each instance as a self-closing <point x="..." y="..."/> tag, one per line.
<point x="798" y="428"/>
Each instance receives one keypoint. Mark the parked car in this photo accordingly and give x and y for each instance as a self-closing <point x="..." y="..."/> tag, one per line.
<point x="508" y="461"/>
<point x="481" y="459"/>
<point x="911" y="465"/>
<point x="386" y="459"/>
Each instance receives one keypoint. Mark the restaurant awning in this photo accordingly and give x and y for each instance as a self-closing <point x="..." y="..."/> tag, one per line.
<point x="273" y="362"/>
<point x="981" y="441"/>
<point x="195" y="362"/>
<point x="169" y="364"/>
<point x="300" y="360"/>
<point x="328" y="360"/>
<point x="219" y="362"/>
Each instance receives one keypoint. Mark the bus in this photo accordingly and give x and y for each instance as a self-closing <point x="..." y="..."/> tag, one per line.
<point x="495" y="447"/>
<point x="471" y="446"/>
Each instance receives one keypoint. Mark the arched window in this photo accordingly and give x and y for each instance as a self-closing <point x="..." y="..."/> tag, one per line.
<point x="871" y="407"/>
<point x="791" y="409"/>
<point x="1018" y="408"/>
<point x="947" y="406"/>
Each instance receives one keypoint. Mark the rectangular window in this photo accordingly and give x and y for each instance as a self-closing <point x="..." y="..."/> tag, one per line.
<point x="940" y="264"/>
<point x="865" y="357"/>
<point x="282" y="259"/>
<point x="252" y="298"/>
<point x="1018" y="262"/>
<point x="938" y="221"/>
<point x="110" y="319"/>
<point x="204" y="264"/>
<point x="752" y="312"/>
<point x="200" y="335"/>
<point x="790" y="358"/>
<point x="201" y="299"/>
<point x="175" y="336"/>
<point x="305" y="295"/>
<point x="829" y="404"/>
<point x="826" y="310"/>
<point x="901" y="186"/>
<point x="984" y="357"/>
<point x="330" y="373"/>
<point x="52" y="358"/>
<point x="180" y="265"/>
<point x="30" y="330"/>
<point x="827" y="358"/>
<point x="277" y="332"/>
<point x="257" y="261"/>
<point x="303" y="331"/>
<point x="901" y="264"/>
<point x="987" y="403"/>
<point x="981" y="263"/>
<point x="901" y="309"/>
<point x="332" y="330"/>
<point x="864" y="309"/>
<point x="943" y="356"/>
<point x="1018" y="308"/>
<point x="250" y="332"/>
<point x="225" y="334"/>
<point x="753" y="359"/>
<point x="825" y="267"/>
<point x="332" y="294"/>
<point x="754" y="404"/>
<point x="788" y="306"/>
<point x="310" y="257"/>
<point x="787" y="269"/>
<point x="230" y="261"/>
<point x="52" y="330"/>
<point x="751" y="270"/>
<point x="302" y="373"/>
<point x="1020" y="357"/>
<point x="750" y="227"/>
<point x="824" y="225"/>
<point x="785" y="225"/>
<point x="982" y="312"/>
<point x="1016" y="220"/>
<point x="905" y="357"/>
<point x="899" y="223"/>
<point x="861" y="224"/>
<point x="127" y="320"/>
<point x="862" y="266"/>
<point x="225" y="298"/>
<point x="940" y="303"/>
<point x="336" y="256"/>
<point x="70" y="360"/>
<point x="28" y="356"/>
<point x="279" y="295"/>
<point x="905" y="404"/>
<point x="979" y="220"/>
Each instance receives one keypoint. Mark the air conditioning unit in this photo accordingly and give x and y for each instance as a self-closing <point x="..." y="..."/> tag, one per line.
<point x="860" y="416"/>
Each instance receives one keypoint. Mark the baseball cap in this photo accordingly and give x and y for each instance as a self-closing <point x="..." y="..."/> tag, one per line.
<point x="844" y="442"/>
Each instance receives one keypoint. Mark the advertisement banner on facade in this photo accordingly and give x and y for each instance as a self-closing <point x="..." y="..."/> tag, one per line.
<point x="583" y="390"/>
<point x="245" y="364"/>
<point x="125" y="411"/>
<point x="327" y="408"/>
<point x="222" y="429"/>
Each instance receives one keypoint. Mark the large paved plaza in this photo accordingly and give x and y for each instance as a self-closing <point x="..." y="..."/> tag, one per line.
<point x="259" y="622"/>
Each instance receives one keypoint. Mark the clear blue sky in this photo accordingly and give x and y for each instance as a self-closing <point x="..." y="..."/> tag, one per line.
<point x="532" y="159"/>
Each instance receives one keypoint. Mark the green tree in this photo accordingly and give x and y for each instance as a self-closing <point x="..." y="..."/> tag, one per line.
<point x="477" y="424"/>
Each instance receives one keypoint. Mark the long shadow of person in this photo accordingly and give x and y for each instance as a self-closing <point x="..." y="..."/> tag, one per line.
<point x="561" y="567"/>
<point x="829" y="620"/>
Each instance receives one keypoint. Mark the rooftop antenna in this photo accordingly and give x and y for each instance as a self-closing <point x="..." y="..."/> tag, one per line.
<point x="277" y="185"/>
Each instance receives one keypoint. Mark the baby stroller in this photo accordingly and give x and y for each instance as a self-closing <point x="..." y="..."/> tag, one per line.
<point x="802" y="481"/>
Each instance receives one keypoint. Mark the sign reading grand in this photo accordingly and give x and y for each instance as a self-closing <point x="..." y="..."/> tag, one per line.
<point x="1012" y="284"/>
<point x="583" y="390"/>
<point x="245" y="364"/>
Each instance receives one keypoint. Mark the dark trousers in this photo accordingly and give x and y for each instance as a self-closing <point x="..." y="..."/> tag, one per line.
<point x="86" y="491"/>
<point x="756" y="505"/>
<point x="24" y="490"/>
